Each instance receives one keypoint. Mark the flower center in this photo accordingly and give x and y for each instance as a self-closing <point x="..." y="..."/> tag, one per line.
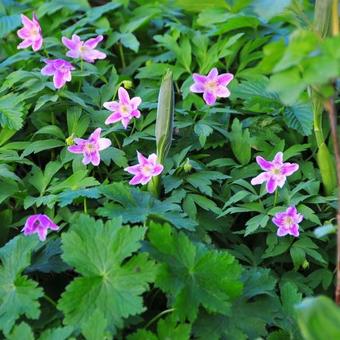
<point x="146" y="170"/>
<point x="288" y="221"/>
<point x="276" y="171"/>
<point x="90" y="147"/>
<point x="211" y="85"/>
<point x="34" y="32"/>
<point x="36" y="224"/>
<point x="124" y="110"/>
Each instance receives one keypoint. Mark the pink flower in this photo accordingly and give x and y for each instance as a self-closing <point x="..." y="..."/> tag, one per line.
<point x="60" y="70"/>
<point x="91" y="147"/>
<point x="275" y="172"/>
<point x="145" y="170"/>
<point x="39" y="224"/>
<point x="30" y="33"/>
<point x="212" y="85"/>
<point x="288" y="222"/>
<point x="124" y="110"/>
<point x="83" y="49"/>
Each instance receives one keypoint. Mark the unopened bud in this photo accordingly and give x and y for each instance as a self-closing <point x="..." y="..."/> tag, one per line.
<point x="69" y="140"/>
<point x="127" y="84"/>
<point x="187" y="165"/>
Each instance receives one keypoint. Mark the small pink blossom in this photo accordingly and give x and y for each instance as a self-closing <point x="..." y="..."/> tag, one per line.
<point x="90" y="147"/>
<point x="83" y="49"/>
<point x="39" y="224"/>
<point x="212" y="85"/>
<point x="275" y="172"/>
<point x="124" y="110"/>
<point x="145" y="170"/>
<point x="60" y="70"/>
<point x="30" y="33"/>
<point x="288" y="222"/>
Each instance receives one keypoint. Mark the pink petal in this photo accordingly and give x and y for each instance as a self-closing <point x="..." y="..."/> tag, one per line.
<point x="73" y="54"/>
<point x="23" y="33"/>
<point x="263" y="177"/>
<point x="271" y="185"/>
<point x="281" y="180"/>
<point x="95" y="158"/>
<point x="294" y="230"/>
<point x="199" y="79"/>
<point x="288" y="169"/>
<point x="222" y="92"/>
<point x="135" y="113"/>
<point x="212" y="74"/>
<point x="136" y="180"/>
<point x="224" y="79"/>
<point x="134" y="170"/>
<point x="80" y="141"/>
<point x="104" y="143"/>
<point x="282" y="232"/>
<point x="291" y="211"/>
<point x="76" y="149"/>
<point x="145" y="180"/>
<point x="95" y="135"/>
<point x="46" y="221"/>
<point x="135" y="102"/>
<point x="113" y="118"/>
<point x="87" y="159"/>
<point x="24" y="44"/>
<point x="29" y="225"/>
<point x="157" y="169"/>
<point x="152" y="159"/>
<point x="209" y="98"/>
<point x="111" y="106"/>
<point x="71" y="44"/>
<point x="58" y="80"/>
<point x="42" y="233"/>
<point x="26" y="21"/>
<point x="278" y="159"/>
<point x="48" y="70"/>
<point x="37" y="44"/>
<point x="141" y="159"/>
<point x="197" y="88"/>
<point x="123" y="96"/>
<point x="93" y="42"/>
<point x="264" y="164"/>
<point x="125" y="122"/>
<point x="91" y="56"/>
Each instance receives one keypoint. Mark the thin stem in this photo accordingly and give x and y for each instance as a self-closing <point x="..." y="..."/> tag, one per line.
<point x="85" y="205"/>
<point x="275" y="197"/>
<point x="81" y="69"/>
<point x="330" y="107"/>
<point x="117" y="141"/>
<point x="121" y="53"/>
<point x="47" y="298"/>
<point x="170" y="310"/>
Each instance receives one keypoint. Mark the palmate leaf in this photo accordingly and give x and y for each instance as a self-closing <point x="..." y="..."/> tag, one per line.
<point x="136" y="206"/>
<point x="300" y="117"/>
<point x="111" y="281"/>
<point x="18" y="293"/>
<point x="11" y="111"/>
<point x="192" y="275"/>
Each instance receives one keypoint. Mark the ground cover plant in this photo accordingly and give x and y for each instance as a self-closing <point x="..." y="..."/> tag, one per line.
<point x="168" y="169"/>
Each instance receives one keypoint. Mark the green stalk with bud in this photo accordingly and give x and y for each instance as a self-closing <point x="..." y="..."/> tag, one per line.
<point x="164" y="126"/>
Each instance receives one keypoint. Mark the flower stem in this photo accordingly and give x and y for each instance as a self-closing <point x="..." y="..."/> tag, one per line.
<point x="81" y="69"/>
<point x="121" y="53"/>
<point x="85" y="205"/>
<point x="275" y="197"/>
<point x="170" y="310"/>
<point x="47" y="298"/>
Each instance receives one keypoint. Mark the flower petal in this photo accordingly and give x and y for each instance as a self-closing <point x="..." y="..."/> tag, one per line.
<point x="104" y="143"/>
<point x="142" y="160"/>
<point x="95" y="158"/>
<point x="222" y="92"/>
<point x="209" y="98"/>
<point x="113" y="118"/>
<point x="24" y="44"/>
<point x="271" y="185"/>
<point x="264" y="164"/>
<point x="95" y="135"/>
<point x="282" y="232"/>
<point x="288" y="169"/>
<point x="224" y="79"/>
<point x="135" y="102"/>
<point x="123" y="96"/>
<point x="48" y="70"/>
<point x="294" y="230"/>
<point x="199" y="79"/>
<point x="212" y="74"/>
<point x="197" y="88"/>
<point x="278" y="159"/>
<point x="111" y="106"/>
<point x="36" y="46"/>
<point x="136" y="179"/>
<point x="77" y="149"/>
<point x="262" y="177"/>
<point x="93" y="42"/>
<point x="58" y="80"/>
<point x="134" y="169"/>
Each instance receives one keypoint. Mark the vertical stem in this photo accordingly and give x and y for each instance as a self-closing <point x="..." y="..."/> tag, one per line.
<point x="275" y="197"/>
<point x="333" y="124"/>
<point x="121" y="53"/>
<point x="81" y="69"/>
<point x="85" y="205"/>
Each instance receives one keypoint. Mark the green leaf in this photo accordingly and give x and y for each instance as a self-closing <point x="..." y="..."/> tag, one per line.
<point x="42" y="145"/>
<point x="67" y="197"/>
<point x="256" y="222"/>
<point x="203" y="180"/>
<point x="136" y="206"/>
<point x="60" y="333"/>
<point x="192" y="275"/>
<point x="18" y="293"/>
<point x="9" y="23"/>
<point x="318" y="318"/>
<point x="22" y="331"/>
<point x="265" y="8"/>
<point x="94" y="328"/>
<point x="11" y="111"/>
<point x="111" y="280"/>
<point x="290" y="297"/>
<point x="300" y="117"/>
<point x="130" y="41"/>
